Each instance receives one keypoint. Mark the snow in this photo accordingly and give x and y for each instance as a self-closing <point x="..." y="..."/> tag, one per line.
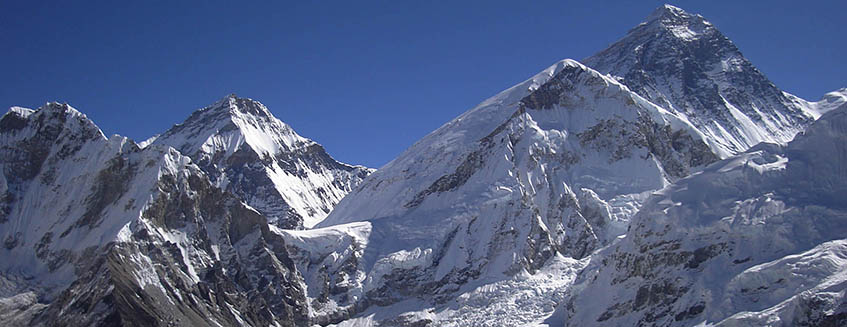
<point x="506" y="215"/>
<point x="18" y="310"/>
<point x="475" y="194"/>
<point x="215" y="134"/>
<point x="523" y="300"/>
<point x="145" y="143"/>
<point x="773" y="241"/>
<point x="45" y="213"/>
<point x="319" y="242"/>
<point x="554" y="130"/>
<point x="21" y="111"/>
<point x="746" y="109"/>
<point x="322" y="251"/>
<point x="830" y="101"/>
<point x="252" y="130"/>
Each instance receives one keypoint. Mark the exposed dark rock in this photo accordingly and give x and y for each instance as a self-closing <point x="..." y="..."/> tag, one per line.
<point x="12" y="122"/>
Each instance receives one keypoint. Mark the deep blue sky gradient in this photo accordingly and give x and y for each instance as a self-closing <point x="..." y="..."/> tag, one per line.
<point x="364" y="78"/>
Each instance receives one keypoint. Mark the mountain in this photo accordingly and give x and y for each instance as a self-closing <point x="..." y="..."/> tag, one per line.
<point x="552" y="167"/>
<point x="245" y="150"/>
<point x="632" y="190"/>
<point x="539" y="177"/>
<point x="757" y="239"/>
<point x="682" y="63"/>
<point x="97" y="231"/>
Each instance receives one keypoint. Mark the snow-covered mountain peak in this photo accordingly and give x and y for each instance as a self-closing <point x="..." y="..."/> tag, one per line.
<point x="86" y="219"/>
<point x="53" y="122"/>
<point x="563" y="84"/>
<point x="241" y="106"/>
<point x="60" y="107"/>
<point x="64" y="113"/>
<point x="15" y="118"/>
<point x="20" y="111"/>
<point x="586" y="119"/>
<point x="680" y="23"/>
<point x="515" y="93"/>
<point x="231" y="123"/>
<point x="553" y="166"/>
<point x="246" y="150"/>
<point x="667" y="10"/>
<point x="682" y="63"/>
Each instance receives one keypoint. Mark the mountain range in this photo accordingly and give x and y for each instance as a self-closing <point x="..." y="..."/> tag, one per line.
<point x="663" y="181"/>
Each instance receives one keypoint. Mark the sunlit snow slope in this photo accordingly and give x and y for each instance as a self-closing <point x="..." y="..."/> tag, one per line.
<point x="553" y="166"/>
<point x="755" y="240"/>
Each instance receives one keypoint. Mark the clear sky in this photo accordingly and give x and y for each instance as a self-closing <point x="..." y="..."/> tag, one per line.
<point x="364" y="78"/>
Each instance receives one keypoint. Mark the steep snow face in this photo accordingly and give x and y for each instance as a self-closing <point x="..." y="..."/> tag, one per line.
<point x="555" y="165"/>
<point x="97" y="231"/>
<point x="682" y="63"/>
<point x="757" y="239"/>
<point x="247" y="151"/>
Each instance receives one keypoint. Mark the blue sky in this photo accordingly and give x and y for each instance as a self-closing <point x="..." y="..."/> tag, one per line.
<point x="364" y="78"/>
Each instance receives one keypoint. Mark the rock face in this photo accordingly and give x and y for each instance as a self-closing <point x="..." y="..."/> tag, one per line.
<point x="97" y="231"/>
<point x="757" y="239"/>
<point x="550" y="167"/>
<point x="244" y="149"/>
<point x="682" y="63"/>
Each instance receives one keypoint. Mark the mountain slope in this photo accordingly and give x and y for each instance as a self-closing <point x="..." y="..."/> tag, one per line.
<point x="551" y="167"/>
<point x="245" y="150"/>
<point x="757" y="239"/>
<point x="682" y="63"/>
<point x="97" y="231"/>
<point x="512" y="210"/>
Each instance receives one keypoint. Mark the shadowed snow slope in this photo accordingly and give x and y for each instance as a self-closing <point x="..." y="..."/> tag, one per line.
<point x="757" y="239"/>
<point x="245" y="150"/>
